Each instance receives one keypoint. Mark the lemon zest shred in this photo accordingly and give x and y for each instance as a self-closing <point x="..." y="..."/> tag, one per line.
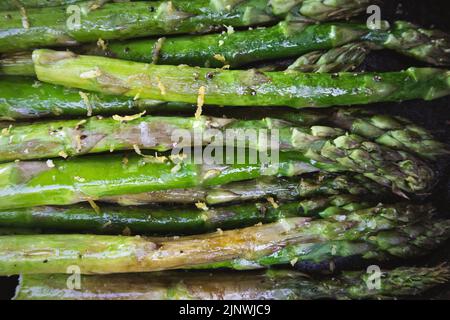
<point x="128" y="118"/>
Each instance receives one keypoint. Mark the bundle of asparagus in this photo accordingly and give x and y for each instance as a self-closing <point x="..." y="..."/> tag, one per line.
<point x="114" y="195"/>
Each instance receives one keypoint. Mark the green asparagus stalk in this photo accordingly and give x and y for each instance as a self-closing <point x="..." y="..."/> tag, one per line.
<point x="281" y="189"/>
<point x="48" y="139"/>
<point x="256" y="285"/>
<point x="26" y="98"/>
<point x="54" y="26"/>
<point x="236" y="88"/>
<point x="93" y="135"/>
<point x="403" y="232"/>
<point x="311" y="42"/>
<point x="60" y="182"/>
<point x="177" y="220"/>
<point x="235" y="49"/>
<point x="326" y="257"/>
<point x="326" y="148"/>
<point x="283" y="41"/>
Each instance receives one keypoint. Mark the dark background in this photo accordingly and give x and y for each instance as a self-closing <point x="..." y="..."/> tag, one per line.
<point x="434" y="115"/>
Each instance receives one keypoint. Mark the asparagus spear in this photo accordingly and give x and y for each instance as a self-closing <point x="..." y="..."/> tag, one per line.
<point x="332" y="255"/>
<point x="256" y="285"/>
<point x="403" y="232"/>
<point x="39" y="140"/>
<point x="281" y="41"/>
<point x="177" y="220"/>
<point x="50" y="26"/>
<point x="282" y="189"/>
<point x="236" y="88"/>
<point x="235" y="49"/>
<point x="26" y="98"/>
<point x="59" y="182"/>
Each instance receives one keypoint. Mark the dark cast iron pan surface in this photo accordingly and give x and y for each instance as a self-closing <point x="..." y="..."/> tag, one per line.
<point x="434" y="115"/>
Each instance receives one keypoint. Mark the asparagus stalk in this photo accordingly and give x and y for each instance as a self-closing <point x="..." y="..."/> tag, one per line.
<point x="60" y="182"/>
<point x="281" y="189"/>
<point x="26" y="98"/>
<point x="235" y="49"/>
<point x="335" y="255"/>
<point x="166" y="221"/>
<point x="50" y="27"/>
<point x="376" y="232"/>
<point x="326" y="148"/>
<point x="48" y="139"/>
<point x="236" y="88"/>
<point x="348" y="45"/>
<point x="93" y="135"/>
<point x="256" y="285"/>
<point x="283" y="41"/>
